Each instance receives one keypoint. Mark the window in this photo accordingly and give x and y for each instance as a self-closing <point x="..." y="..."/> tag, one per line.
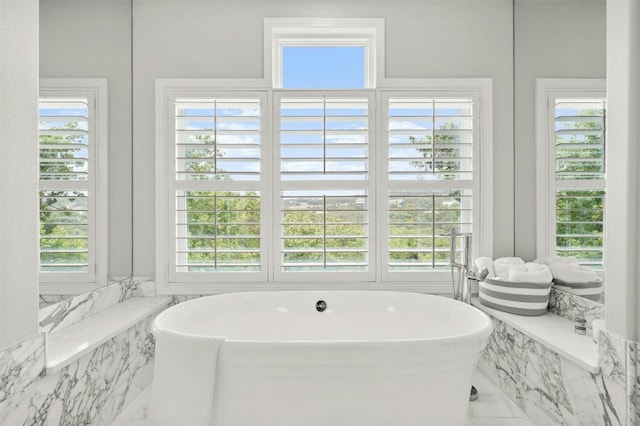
<point x="217" y="186"/>
<point x="324" y="186"/>
<point x="72" y="138"/>
<point x="430" y="145"/>
<point x="318" y="183"/>
<point x="319" y="41"/>
<point x="313" y="67"/>
<point x="571" y="169"/>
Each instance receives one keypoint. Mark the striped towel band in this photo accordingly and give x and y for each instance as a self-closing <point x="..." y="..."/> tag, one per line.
<point x="517" y="298"/>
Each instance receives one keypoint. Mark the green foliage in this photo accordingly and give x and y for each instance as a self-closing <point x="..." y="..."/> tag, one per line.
<point x="222" y="230"/>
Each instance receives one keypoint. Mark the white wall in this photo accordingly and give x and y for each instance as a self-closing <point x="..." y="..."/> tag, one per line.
<point x="18" y="171"/>
<point x="552" y="39"/>
<point x="93" y="39"/>
<point x="224" y="39"/>
<point x="623" y="179"/>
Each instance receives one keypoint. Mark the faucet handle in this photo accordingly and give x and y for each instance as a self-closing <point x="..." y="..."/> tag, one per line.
<point x="483" y="274"/>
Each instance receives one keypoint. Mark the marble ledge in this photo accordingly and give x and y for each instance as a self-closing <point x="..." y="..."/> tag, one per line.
<point x="554" y="332"/>
<point x="71" y="343"/>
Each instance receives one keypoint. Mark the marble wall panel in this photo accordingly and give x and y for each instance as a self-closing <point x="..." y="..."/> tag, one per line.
<point x="551" y="389"/>
<point x="570" y="306"/>
<point x="21" y="365"/>
<point x="90" y="391"/>
<point x="69" y="311"/>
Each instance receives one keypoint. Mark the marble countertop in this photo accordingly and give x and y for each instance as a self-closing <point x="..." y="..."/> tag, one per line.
<point x="553" y="331"/>
<point x="67" y="345"/>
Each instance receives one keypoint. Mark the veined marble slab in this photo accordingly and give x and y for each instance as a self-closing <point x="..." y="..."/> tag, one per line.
<point x="554" y="332"/>
<point x="72" y="310"/>
<point x="570" y="306"/>
<point x="69" y="344"/>
<point x="21" y="365"/>
<point x="549" y="388"/>
<point x="92" y="390"/>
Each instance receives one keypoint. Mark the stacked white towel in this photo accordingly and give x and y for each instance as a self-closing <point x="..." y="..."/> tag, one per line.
<point x="485" y="262"/>
<point x="568" y="270"/>
<point x="502" y="265"/>
<point x="530" y="273"/>
<point x="556" y="260"/>
<point x="573" y="274"/>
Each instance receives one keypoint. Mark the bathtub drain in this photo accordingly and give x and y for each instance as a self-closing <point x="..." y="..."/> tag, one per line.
<point x="321" y="305"/>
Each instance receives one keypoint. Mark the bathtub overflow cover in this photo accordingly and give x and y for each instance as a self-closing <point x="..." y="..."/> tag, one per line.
<point x="321" y="305"/>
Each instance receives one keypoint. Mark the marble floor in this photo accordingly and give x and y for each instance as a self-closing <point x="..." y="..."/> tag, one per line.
<point x="492" y="408"/>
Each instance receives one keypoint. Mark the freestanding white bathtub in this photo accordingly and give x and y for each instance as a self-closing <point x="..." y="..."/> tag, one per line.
<point x="277" y="359"/>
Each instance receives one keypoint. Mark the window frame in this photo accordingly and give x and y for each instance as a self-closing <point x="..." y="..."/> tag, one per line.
<point x="333" y="32"/>
<point x="96" y="91"/>
<point x="547" y="90"/>
<point x="432" y="281"/>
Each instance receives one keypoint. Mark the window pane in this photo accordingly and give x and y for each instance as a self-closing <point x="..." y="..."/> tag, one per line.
<point x="64" y="239"/>
<point x="324" y="138"/>
<point x="324" y="231"/>
<point x="217" y="139"/>
<point x="419" y="221"/>
<point x="580" y="139"/>
<point x="217" y="231"/>
<point x="323" y="67"/>
<point x="64" y="139"/>
<point x="580" y="225"/>
<point x="430" y="139"/>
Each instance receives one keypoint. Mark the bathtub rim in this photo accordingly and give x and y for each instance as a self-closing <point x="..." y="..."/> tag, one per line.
<point x="477" y="334"/>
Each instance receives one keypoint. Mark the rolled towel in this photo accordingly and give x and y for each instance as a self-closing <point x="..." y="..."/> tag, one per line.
<point x="502" y="265"/>
<point x="573" y="273"/>
<point x="557" y="260"/>
<point x="485" y="262"/>
<point x="530" y="273"/>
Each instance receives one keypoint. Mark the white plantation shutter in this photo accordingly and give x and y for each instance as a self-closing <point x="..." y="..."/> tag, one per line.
<point x="579" y="139"/>
<point x="430" y="170"/>
<point x="67" y="138"/>
<point x="309" y="188"/>
<point x="324" y="188"/>
<point x="217" y="152"/>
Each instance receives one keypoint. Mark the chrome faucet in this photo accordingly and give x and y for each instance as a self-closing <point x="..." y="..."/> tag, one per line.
<point x="466" y="274"/>
<point x="466" y="270"/>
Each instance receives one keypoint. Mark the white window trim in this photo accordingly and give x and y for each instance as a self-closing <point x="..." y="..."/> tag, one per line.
<point x="433" y="282"/>
<point x="548" y="89"/>
<point x="97" y="276"/>
<point x="281" y="32"/>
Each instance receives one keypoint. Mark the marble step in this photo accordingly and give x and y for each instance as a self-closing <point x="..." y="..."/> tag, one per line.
<point x="69" y="344"/>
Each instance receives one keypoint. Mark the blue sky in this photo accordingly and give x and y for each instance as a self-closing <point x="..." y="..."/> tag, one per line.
<point x="323" y="67"/>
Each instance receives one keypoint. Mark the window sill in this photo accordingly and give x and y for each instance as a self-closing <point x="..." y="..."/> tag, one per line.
<point x="71" y="343"/>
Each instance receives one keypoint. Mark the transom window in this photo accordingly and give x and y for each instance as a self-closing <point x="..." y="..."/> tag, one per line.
<point x="325" y="67"/>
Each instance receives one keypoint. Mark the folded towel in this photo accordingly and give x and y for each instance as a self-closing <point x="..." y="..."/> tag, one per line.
<point x="557" y="260"/>
<point x="183" y="395"/>
<point x="485" y="262"/>
<point x="573" y="273"/>
<point x="530" y="273"/>
<point x="501" y="266"/>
